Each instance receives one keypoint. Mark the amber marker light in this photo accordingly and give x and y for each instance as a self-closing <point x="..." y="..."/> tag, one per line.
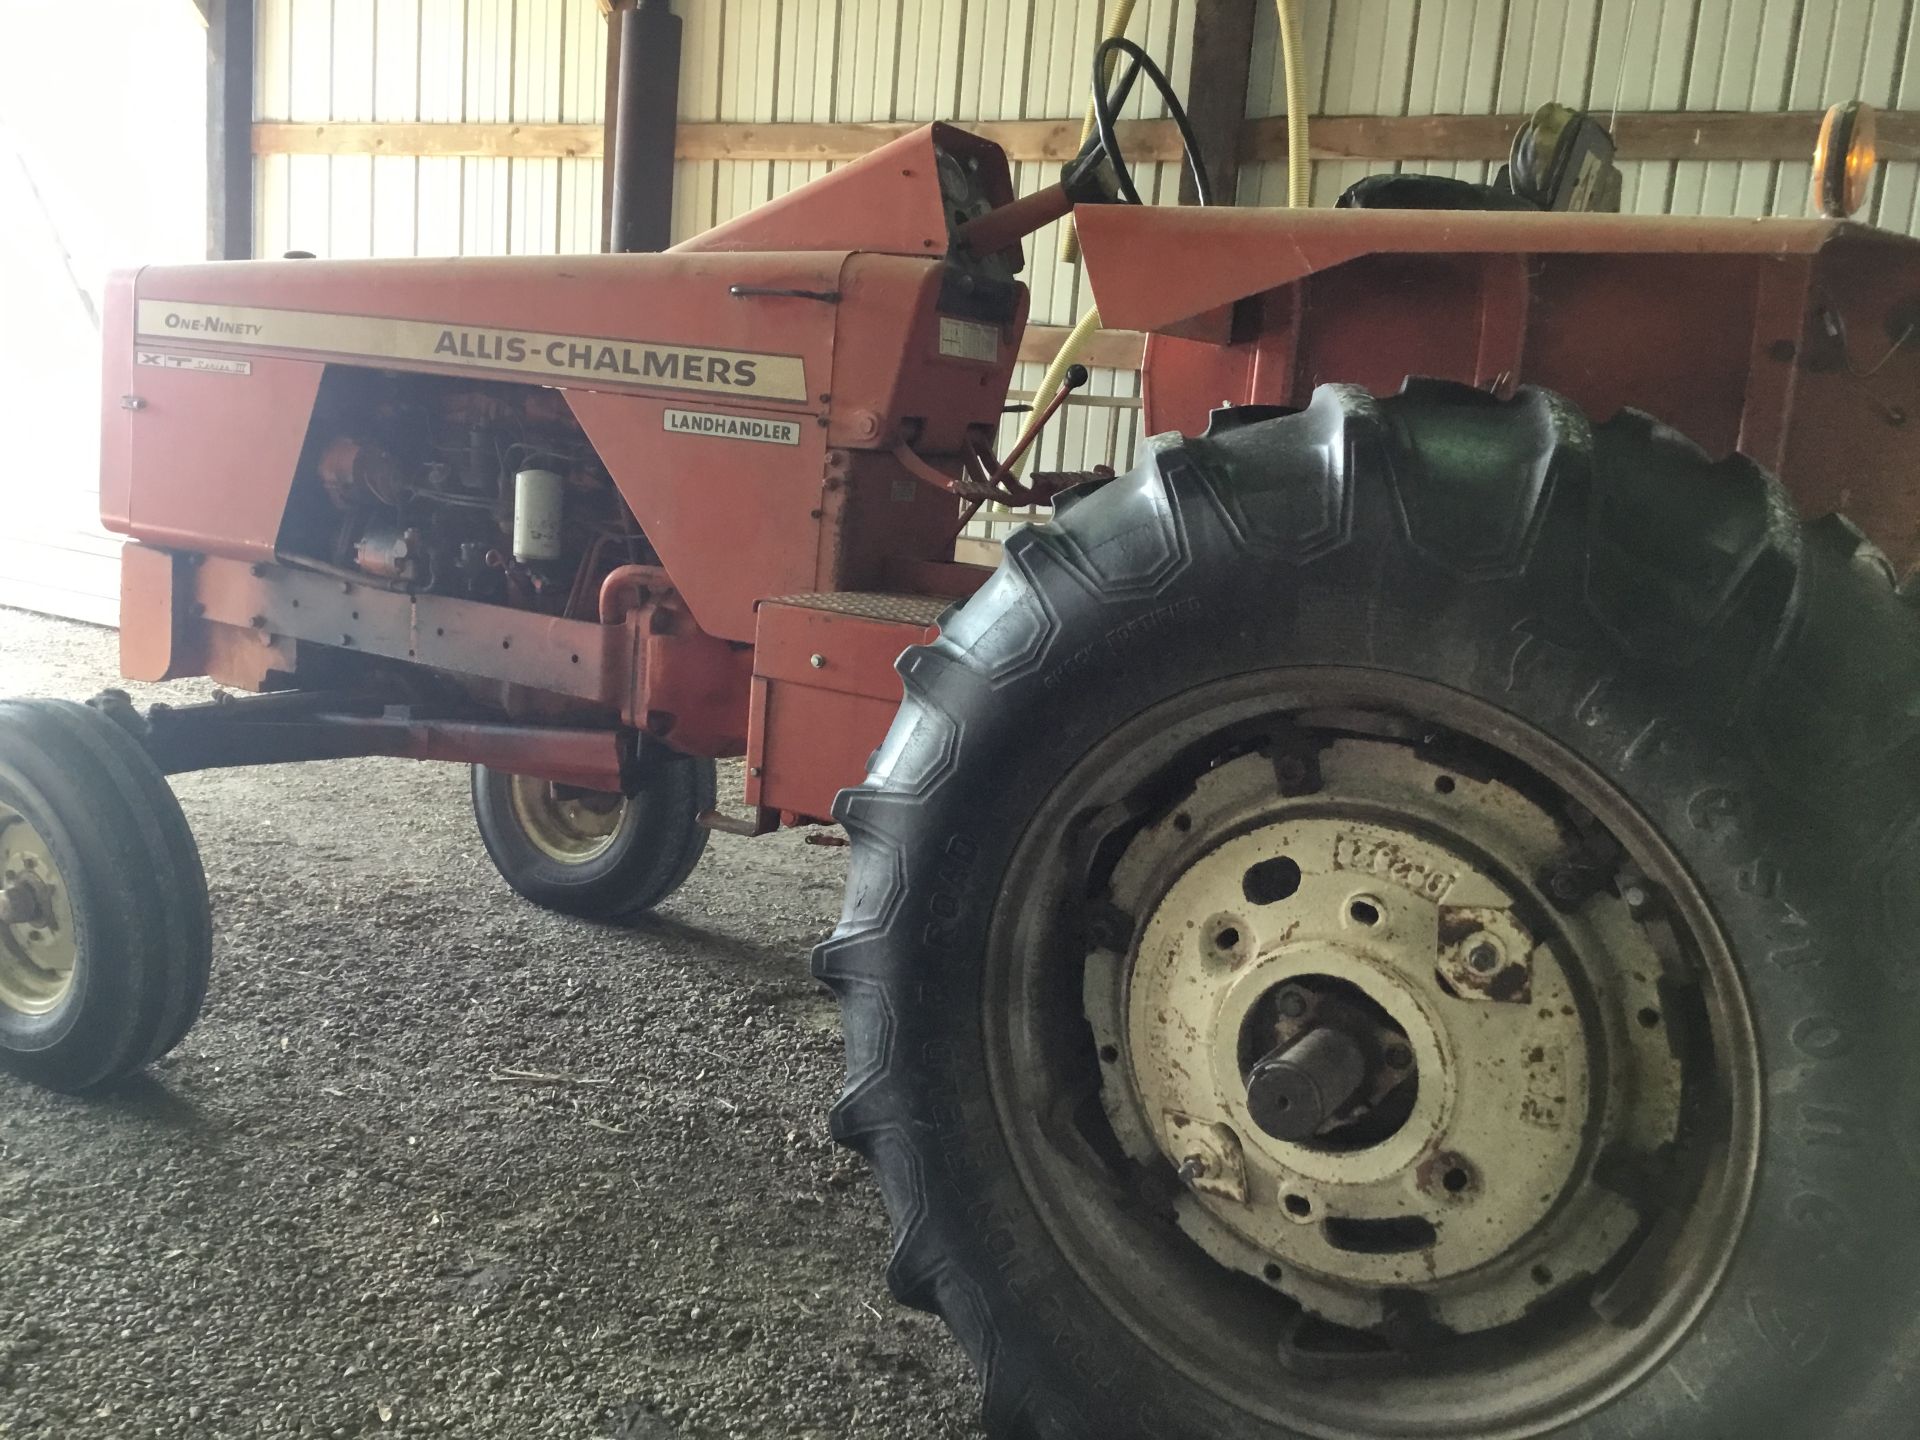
<point x="1843" y="161"/>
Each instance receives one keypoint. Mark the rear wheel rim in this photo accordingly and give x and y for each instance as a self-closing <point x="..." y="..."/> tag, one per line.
<point x="39" y="953"/>
<point x="1293" y="1276"/>
<point x="573" y="827"/>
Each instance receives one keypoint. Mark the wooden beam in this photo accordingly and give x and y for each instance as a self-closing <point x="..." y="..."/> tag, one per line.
<point x="1108" y="350"/>
<point x="492" y="142"/>
<point x="1789" y="135"/>
<point x="1674" y="135"/>
<point x="1698" y="135"/>
<point x="229" y="129"/>
<point x="1217" y="93"/>
<point x="1384" y="137"/>
<point x="1037" y="140"/>
<point x="1144" y="140"/>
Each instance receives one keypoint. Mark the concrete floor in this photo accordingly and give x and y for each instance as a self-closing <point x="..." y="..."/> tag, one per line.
<point x="347" y="1205"/>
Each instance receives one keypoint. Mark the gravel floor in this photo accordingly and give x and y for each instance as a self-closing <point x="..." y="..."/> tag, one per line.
<point x="338" y="1210"/>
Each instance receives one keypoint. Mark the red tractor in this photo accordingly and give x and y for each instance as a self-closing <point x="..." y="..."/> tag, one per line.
<point x="1396" y="918"/>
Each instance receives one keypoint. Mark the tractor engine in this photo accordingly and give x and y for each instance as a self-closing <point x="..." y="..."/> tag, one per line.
<point x="451" y="487"/>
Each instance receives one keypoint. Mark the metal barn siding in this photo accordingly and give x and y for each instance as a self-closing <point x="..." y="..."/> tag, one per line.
<point x="1485" y="57"/>
<point x="406" y="61"/>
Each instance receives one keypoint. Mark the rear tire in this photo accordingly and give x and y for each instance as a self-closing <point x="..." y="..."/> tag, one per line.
<point x="106" y="943"/>
<point x="1739" y="695"/>
<point x="600" y="857"/>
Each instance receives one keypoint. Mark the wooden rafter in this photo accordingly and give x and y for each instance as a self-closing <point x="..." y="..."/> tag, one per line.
<point x="1022" y="139"/>
<point x="1108" y="350"/>
<point x="1678" y="135"/>
<point x="1670" y="135"/>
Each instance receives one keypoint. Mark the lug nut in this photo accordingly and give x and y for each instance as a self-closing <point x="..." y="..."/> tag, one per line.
<point x="1484" y="957"/>
<point x="1565" y="884"/>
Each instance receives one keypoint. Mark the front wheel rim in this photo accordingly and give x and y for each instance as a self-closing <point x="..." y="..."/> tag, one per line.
<point x="567" y="825"/>
<point x="39" y="952"/>
<point x="1401" y="1280"/>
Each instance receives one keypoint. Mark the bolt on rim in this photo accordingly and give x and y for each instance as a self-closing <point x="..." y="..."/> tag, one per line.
<point x="1420" y="1039"/>
<point x="566" y="824"/>
<point x="38" y="949"/>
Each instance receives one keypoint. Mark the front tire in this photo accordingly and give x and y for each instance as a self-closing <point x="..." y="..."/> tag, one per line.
<point x="601" y="857"/>
<point x="105" y="929"/>
<point x="1389" y="641"/>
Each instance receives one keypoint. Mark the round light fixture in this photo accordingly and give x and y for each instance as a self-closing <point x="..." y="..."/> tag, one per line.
<point x="1843" y="161"/>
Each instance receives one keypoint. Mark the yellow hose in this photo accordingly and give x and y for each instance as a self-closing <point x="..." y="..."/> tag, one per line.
<point x="1299" y="166"/>
<point x="1299" y="194"/>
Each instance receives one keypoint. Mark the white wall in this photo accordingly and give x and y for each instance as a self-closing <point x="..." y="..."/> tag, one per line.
<point x="102" y="163"/>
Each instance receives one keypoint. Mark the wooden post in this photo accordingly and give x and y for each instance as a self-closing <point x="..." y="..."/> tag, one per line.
<point x="229" y="129"/>
<point x="1216" y="92"/>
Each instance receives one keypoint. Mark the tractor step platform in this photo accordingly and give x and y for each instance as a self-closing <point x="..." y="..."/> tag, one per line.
<point x="825" y="690"/>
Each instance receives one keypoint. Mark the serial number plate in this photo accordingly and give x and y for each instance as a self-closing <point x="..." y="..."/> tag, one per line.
<point x="969" y="339"/>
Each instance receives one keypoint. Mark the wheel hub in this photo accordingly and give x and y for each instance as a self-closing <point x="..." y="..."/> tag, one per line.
<point x="37" y="945"/>
<point x="1297" y="1089"/>
<point x="566" y="824"/>
<point x="1368" y="1044"/>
